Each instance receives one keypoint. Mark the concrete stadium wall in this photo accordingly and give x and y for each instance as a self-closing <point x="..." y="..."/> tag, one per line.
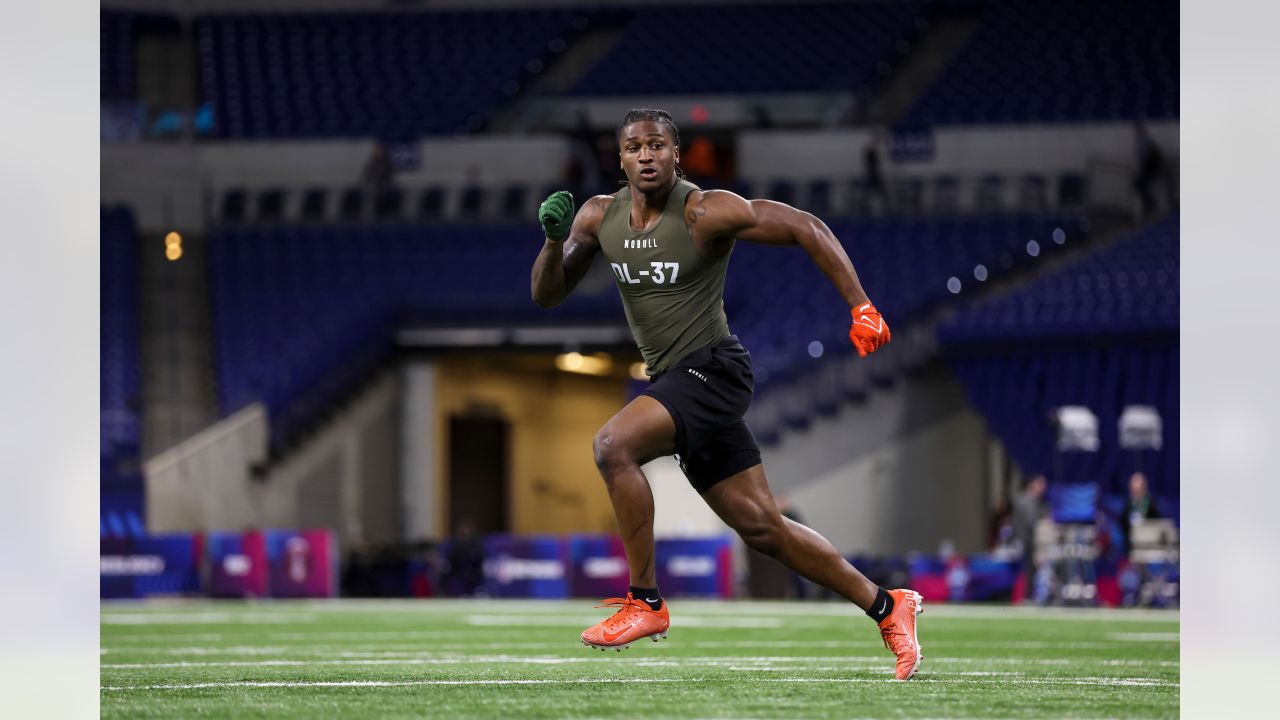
<point x="177" y="186"/>
<point x="902" y="472"/>
<point x="909" y="495"/>
<point x="345" y="477"/>
<point x="801" y="155"/>
<point x="203" y="482"/>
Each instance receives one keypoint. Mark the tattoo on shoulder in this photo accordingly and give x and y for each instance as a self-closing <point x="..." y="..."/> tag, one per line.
<point x="697" y="212"/>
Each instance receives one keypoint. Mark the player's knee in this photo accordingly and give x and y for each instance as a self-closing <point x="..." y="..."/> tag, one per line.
<point x="762" y="533"/>
<point x="610" y="452"/>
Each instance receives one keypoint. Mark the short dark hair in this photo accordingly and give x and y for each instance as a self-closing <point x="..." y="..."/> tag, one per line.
<point x="636" y="115"/>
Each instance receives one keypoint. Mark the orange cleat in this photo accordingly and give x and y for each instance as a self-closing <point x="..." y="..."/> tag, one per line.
<point x="899" y="631"/>
<point x="633" y="621"/>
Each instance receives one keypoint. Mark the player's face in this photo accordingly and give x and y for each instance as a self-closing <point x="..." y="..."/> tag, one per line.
<point x="648" y="156"/>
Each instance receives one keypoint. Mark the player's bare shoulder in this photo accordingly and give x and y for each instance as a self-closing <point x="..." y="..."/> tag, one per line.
<point x="716" y="214"/>
<point x="591" y="214"/>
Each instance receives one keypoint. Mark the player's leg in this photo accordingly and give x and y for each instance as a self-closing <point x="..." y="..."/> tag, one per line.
<point x="640" y="432"/>
<point x="744" y="502"/>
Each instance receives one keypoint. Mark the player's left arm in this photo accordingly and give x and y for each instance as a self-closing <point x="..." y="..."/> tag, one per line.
<point x="722" y="214"/>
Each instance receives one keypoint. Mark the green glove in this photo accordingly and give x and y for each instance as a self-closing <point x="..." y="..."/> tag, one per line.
<point x="556" y="215"/>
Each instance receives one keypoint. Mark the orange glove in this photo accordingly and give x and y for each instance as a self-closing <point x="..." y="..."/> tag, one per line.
<point x="868" y="331"/>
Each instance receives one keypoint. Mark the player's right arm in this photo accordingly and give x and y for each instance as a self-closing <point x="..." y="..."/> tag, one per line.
<point x="565" y="257"/>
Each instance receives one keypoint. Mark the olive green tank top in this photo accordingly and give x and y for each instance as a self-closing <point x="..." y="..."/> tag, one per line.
<point x="673" y="296"/>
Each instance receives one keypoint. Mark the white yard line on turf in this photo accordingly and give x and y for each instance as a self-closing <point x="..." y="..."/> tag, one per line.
<point x="587" y="620"/>
<point x="696" y="644"/>
<point x="205" y="618"/>
<point x="1097" y="681"/>
<point x="1144" y="637"/>
<point x="837" y="662"/>
<point x="722" y="608"/>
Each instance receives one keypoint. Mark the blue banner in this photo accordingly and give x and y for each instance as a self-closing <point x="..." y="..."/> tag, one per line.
<point x="700" y="567"/>
<point x="148" y="566"/>
<point x="530" y="566"/>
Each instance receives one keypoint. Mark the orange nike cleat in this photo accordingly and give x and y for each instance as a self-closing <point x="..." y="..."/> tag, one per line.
<point x="899" y="631"/>
<point x="633" y="621"/>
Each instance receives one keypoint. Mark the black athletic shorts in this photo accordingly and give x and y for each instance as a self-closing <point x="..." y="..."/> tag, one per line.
<point x="707" y="392"/>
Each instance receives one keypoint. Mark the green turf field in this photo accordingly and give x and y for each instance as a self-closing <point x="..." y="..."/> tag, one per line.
<point x="509" y="659"/>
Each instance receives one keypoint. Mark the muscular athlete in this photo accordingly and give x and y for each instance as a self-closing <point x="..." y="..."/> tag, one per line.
<point x="668" y="243"/>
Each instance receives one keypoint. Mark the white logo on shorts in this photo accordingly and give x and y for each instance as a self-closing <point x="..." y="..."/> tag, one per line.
<point x="697" y="374"/>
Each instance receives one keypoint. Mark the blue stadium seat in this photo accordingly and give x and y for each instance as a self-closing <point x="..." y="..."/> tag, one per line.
<point x="1042" y="61"/>
<point x="1100" y="332"/>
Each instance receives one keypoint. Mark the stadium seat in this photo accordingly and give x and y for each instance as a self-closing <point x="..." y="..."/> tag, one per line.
<point x="1071" y="190"/>
<point x="473" y="201"/>
<point x="234" y="202"/>
<point x="1031" y="193"/>
<point x="271" y="205"/>
<point x="783" y="191"/>
<point x="946" y="195"/>
<point x="315" y="203"/>
<point x="431" y="203"/>
<point x="1040" y="61"/>
<point x="513" y="201"/>
<point x="390" y="204"/>
<point x="818" y="198"/>
<point x="1122" y="300"/>
<point x="351" y="207"/>
<point x="990" y="194"/>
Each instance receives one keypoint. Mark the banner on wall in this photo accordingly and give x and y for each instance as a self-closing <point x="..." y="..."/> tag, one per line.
<point x="149" y="566"/>
<point x="237" y="564"/>
<point x="701" y="567"/>
<point x="532" y="566"/>
<point x="599" y="566"/>
<point x="302" y="563"/>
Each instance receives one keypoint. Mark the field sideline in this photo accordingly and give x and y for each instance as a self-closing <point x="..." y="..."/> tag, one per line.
<point x="739" y="659"/>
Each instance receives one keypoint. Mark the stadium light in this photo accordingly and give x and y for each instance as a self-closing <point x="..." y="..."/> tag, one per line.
<point x="639" y="371"/>
<point x="575" y="362"/>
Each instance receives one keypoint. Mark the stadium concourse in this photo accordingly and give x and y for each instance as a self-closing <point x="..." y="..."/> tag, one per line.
<point x="324" y="379"/>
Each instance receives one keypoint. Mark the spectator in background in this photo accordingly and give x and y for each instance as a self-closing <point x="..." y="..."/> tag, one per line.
<point x="1141" y="506"/>
<point x="465" y="560"/>
<point x="1028" y="510"/>
<point x="583" y="170"/>
<point x="1152" y="169"/>
<point x="873" y="175"/>
<point x="375" y="178"/>
<point x="1000" y="531"/>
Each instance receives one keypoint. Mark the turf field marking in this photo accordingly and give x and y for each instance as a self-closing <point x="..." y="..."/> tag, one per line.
<point x="836" y="662"/>
<point x="692" y="644"/>
<point x="205" y="618"/>
<point x="397" y="683"/>
<point x="1096" y="681"/>
<point x="579" y="621"/>
<point x="1145" y="637"/>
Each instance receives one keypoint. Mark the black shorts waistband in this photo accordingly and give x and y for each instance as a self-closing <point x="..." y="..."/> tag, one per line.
<point x="728" y="341"/>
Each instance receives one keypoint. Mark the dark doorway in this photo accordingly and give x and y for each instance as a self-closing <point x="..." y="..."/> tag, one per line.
<point x="478" y="473"/>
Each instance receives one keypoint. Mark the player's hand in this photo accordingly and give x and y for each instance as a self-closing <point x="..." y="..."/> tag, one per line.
<point x="869" y="331"/>
<point x="555" y="214"/>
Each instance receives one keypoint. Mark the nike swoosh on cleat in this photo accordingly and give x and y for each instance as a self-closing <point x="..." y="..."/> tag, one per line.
<point x="883" y="605"/>
<point x="611" y="637"/>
